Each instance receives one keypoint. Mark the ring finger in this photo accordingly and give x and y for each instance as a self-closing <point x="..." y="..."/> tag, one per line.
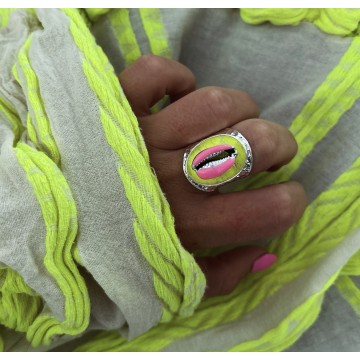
<point x="272" y="147"/>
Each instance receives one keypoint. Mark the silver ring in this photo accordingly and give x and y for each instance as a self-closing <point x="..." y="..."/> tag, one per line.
<point x="218" y="160"/>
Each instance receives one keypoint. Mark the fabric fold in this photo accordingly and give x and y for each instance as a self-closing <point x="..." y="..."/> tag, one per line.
<point x="106" y="229"/>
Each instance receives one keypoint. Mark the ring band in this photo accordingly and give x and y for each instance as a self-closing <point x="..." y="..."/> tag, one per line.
<point x="218" y="160"/>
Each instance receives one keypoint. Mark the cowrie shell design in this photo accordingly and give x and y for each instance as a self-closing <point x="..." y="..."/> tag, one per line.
<point x="218" y="160"/>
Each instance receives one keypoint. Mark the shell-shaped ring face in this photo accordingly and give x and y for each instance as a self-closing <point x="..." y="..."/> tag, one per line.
<point x="217" y="160"/>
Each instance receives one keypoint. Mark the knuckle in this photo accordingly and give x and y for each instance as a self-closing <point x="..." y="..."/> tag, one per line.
<point x="178" y="129"/>
<point x="218" y="103"/>
<point x="191" y="77"/>
<point x="284" y="209"/>
<point x="151" y="63"/>
<point x="251" y="104"/>
<point x="266" y="137"/>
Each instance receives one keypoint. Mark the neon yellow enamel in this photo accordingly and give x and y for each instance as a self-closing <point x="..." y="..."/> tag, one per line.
<point x="214" y="141"/>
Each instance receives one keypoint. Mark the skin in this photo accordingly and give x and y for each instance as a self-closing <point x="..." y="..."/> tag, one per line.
<point x="226" y="219"/>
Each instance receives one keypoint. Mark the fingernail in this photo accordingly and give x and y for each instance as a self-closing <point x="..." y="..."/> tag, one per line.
<point x="263" y="262"/>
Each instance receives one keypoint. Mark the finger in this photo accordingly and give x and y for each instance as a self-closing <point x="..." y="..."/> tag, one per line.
<point x="272" y="145"/>
<point x="150" y="78"/>
<point x="242" y="217"/>
<point x="197" y="115"/>
<point x="223" y="272"/>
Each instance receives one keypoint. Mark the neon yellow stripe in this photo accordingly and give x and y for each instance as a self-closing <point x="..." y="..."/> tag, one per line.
<point x="76" y="255"/>
<point x="158" y="40"/>
<point x="98" y="60"/>
<point x="104" y="341"/>
<point x="43" y="139"/>
<point x="59" y="213"/>
<point x="10" y="114"/>
<point x="111" y="341"/>
<point x="278" y="16"/>
<point x="291" y="328"/>
<point x="341" y="198"/>
<point x="331" y="100"/>
<point x="141" y="187"/>
<point x="170" y="294"/>
<point x="95" y="13"/>
<point x="120" y="21"/>
<point x="19" y="304"/>
<point x="4" y="16"/>
<point x="350" y="292"/>
<point x="352" y="267"/>
<point x="344" y="22"/>
<point x="155" y="32"/>
<point x="44" y="327"/>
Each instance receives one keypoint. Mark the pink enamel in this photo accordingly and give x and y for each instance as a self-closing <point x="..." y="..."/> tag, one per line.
<point x="202" y="156"/>
<point x="263" y="262"/>
<point x="215" y="171"/>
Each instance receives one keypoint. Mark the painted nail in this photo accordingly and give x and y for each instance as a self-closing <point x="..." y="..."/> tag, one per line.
<point x="263" y="262"/>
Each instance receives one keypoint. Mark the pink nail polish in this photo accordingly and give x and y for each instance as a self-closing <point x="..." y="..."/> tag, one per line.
<point x="263" y="262"/>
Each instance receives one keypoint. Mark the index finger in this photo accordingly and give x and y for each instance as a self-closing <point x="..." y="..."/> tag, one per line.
<point x="150" y="78"/>
<point x="199" y="114"/>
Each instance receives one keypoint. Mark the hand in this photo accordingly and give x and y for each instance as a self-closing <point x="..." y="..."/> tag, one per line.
<point x="208" y="220"/>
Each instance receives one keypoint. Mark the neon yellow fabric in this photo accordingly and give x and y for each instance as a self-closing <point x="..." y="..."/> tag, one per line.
<point x="353" y="266"/>
<point x="19" y="304"/>
<point x="287" y="333"/>
<point x="253" y="290"/>
<point x="331" y="100"/>
<point x="158" y="41"/>
<point x="59" y="215"/>
<point x="155" y="32"/>
<point x="38" y="123"/>
<point x="6" y="12"/>
<point x="10" y="114"/>
<point x="128" y="43"/>
<point x="343" y="22"/>
<point x="95" y="13"/>
<point x="61" y="224"/>
<point x="178" y="280"/>
<point x="350" y="292"/>
<point x="2" y="344"/>
<point x="120" y="21"/>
